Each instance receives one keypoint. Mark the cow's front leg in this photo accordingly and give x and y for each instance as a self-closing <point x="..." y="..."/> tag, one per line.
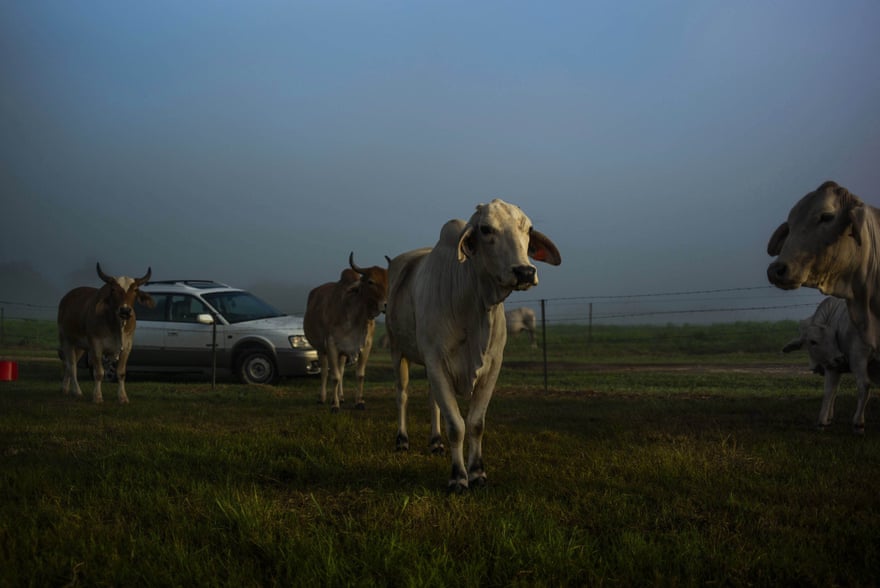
<point x="339" y="375"/>
<point x="444" y="395"/>
<point x="435" y="443"/>
<point x="401" y="369"/>
<point x="476" y="422"/>
<point x="858" y="422"/>
<point x="322" y="357"/>
<point x="361" y="370"/>
<point x="96" y="360"/>
<point x="361" y="373"/>
<point x="832" y="379"/>
<point x="337" y="364"/>
<point x="121" y="367"/>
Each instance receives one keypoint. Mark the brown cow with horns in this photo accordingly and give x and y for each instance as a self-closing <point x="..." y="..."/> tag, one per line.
<point x="102" y="322"/>
<point x="340" y="321"/>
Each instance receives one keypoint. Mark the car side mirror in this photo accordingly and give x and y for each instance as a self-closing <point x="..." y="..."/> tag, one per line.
<point x="205" y="319"/>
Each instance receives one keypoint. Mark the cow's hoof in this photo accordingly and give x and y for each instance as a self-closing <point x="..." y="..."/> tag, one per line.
<point x="477" y="476"/>
<point x="435" y="446"/>
<point x="821" y="427"/>
<point x="457" y="487"/>
<point x="859" y="429"/>
<point x="334" y="409"/>
<point x="320" y="401"/>
<point x="402" y="442"/>
<point x="360" y="406"/>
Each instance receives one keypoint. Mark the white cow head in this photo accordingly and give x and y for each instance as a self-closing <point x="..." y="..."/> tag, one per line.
<point x="818" y="246"/>
<point x="821" y="345"/>
<point x="499" y="237"/>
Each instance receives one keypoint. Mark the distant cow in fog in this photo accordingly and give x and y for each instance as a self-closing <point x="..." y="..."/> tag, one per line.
<point x="521" y="319"/>
<point x="340" y="321"/>
<point x="102" y="322"/>
<point x="835" y="347"/>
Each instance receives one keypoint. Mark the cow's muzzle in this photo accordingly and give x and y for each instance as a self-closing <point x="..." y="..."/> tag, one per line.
<point x="525" y="275"/>
<point x="780" y="276"/>
<point x="125" y="312"/>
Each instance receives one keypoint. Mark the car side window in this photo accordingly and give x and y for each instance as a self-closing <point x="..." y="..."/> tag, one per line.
<point x="186" y="309"/>
<point x="157" y="313"/>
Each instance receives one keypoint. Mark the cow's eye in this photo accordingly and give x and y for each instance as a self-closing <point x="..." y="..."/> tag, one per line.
<point x="826" y="217"/>
<point x="486" y="230"/>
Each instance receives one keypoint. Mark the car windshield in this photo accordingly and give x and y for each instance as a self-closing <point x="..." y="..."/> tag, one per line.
<point x="238" y="307"/>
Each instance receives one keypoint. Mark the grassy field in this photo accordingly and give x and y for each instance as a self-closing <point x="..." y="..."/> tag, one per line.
<point x="657" y="456"/>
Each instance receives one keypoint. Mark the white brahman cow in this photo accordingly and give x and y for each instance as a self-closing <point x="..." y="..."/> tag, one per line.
<point x="102" y="322"/>
<point x="340" y="321"/>
<point x="831" y="241"/>
<point x="835" y="348"/>
<point x="446" y="312"/>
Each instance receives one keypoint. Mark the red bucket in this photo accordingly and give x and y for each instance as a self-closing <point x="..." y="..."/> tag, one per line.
<point x="8" y="371"/>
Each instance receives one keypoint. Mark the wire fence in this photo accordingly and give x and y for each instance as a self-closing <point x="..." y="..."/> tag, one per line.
<point x="750" y="304"/>
<point x="723" y="305"/>
<point x="753" y="303"/>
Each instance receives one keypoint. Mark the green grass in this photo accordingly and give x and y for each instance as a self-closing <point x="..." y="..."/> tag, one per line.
<point x="625" y="472"/>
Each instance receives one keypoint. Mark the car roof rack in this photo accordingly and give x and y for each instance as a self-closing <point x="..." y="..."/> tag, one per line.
<point x="199" y="284"/>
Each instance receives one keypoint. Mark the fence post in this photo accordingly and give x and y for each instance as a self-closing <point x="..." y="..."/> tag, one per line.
<point x="544" y="341"/>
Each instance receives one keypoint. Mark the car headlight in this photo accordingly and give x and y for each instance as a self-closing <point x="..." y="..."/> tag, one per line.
<point x="298" y="341"/>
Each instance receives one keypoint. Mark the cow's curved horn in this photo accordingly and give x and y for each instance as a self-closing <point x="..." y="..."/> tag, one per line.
<point x="102" y="275"/>
<point x="359" y="270"/>
<point x="146" y="277"/>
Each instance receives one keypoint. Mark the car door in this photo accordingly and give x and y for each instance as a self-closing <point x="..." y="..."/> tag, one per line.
<point x="149" y="336"/>
<point x="187" y="341"/>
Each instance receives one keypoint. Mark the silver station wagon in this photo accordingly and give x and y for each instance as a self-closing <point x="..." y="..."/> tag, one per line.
<point x="255" y="342"/>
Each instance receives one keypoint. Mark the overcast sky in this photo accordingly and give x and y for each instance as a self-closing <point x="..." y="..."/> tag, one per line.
<point x="659" y="144"/>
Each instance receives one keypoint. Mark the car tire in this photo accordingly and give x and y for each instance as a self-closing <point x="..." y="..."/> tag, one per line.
<point x="257" y="367"/>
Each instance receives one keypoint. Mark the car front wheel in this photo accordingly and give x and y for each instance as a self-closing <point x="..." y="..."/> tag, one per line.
<point x="257" y="367"/>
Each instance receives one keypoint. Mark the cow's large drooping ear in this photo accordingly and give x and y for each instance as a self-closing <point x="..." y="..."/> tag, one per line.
<point x="145" y="299"/>
<point x="774" y="247"/>
<point x="793" y="345"/>
<point x="541" y="248"/>
<point x="857" y="216"/>
<point x="466" y="243"/>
